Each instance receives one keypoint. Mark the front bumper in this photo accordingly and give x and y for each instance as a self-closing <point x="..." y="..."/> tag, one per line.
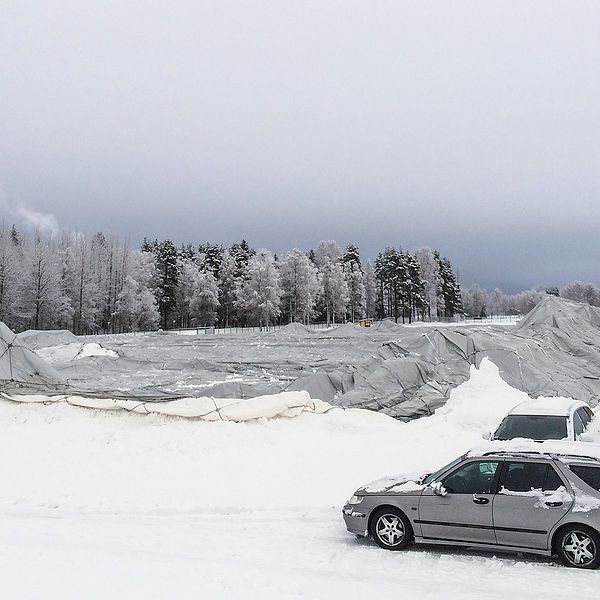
<point x="355" y="519"/>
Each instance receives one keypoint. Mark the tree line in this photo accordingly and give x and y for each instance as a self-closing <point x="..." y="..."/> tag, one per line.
<point x="239" y="286"/>
<point x="99" y="283"/>
<point x="480" y="303"/>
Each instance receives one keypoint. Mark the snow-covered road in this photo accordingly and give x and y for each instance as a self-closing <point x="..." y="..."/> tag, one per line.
<point x="253" y="554"/>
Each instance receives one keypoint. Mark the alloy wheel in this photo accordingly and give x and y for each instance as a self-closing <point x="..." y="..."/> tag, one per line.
<point x="390" y="529"/>
<point x="579" y="548"/>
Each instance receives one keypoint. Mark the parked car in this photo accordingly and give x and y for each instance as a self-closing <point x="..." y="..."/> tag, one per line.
<point x="533" y="502"/>
<point x="545" y="419"/>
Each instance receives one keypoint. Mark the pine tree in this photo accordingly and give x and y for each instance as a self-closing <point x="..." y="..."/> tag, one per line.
<point x="166" y="264"/>
<point x="227" y="285"/>
<point x="449" y="288"/>
<point x="370" y="283"/>
<point x="354" y="281"/>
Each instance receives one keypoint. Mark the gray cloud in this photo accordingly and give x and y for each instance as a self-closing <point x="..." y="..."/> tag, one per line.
<point x="468" y="126"/>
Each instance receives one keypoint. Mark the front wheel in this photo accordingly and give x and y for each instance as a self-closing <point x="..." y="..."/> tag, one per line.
<point x="579" y="547"/>
<point x="391" y="529"/>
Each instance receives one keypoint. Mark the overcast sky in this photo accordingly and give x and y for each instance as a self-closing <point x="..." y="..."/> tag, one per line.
<point x="472" y="127"/>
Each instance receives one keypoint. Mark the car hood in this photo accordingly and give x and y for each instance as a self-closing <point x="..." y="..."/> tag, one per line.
<point x="399" y="484"/>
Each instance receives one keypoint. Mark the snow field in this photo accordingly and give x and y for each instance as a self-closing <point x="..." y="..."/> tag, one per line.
<point x="101" y="504"/>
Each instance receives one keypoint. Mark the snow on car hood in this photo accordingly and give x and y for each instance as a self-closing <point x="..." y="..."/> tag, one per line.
<point x="400" y="484"/>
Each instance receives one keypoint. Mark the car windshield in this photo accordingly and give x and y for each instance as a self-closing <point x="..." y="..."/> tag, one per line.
<point x="534" y="427"/>
<point x="433" y="476"/>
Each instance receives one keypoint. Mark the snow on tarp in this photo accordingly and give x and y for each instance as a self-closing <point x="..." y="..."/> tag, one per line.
<point x="285" y="404"/>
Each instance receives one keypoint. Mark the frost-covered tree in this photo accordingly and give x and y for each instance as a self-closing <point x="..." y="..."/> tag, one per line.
<point x="136" y="306"/>
<point x="79" y="272"/>
<point x="429" y="270"/>
<point x="370" y="283"/>
<point x="43" y="302"/>
<point x="334" y="290"/>
<point x="9" y="275"/>
<point x="353" y="273"/>
<point x="210" y="257"/>
<point x="581" y="292"/>
<point x="205" y="299"/>
<point x="300" y="285"/>
<point x="227" y="285"/>
<point x="259" y="294"/>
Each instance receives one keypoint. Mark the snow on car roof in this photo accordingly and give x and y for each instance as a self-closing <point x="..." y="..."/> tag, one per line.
<point x="572" y="450"/>
<point x="560" y="407"/>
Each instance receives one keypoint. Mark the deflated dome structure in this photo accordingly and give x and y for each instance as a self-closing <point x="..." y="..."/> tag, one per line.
<point x="403" y="371"/>
<point x="22" y="368"/>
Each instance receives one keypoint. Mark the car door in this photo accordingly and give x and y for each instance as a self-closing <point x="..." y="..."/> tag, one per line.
<point x="528" y="505"/>
<point x="464" y="512"/>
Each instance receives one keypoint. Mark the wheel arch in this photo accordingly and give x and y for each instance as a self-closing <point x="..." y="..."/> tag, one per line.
<point x="384" y="506"/>
<point x="562" y="527"/>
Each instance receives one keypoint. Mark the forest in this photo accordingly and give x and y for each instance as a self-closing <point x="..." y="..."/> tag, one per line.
<point x="99" y="283"/>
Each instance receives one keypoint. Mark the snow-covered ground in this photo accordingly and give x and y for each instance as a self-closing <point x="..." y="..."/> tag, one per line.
<point x="99" y="504"/>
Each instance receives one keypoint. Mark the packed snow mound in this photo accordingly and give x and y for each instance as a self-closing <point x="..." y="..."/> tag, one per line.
<point x="94" y="349"/>
<point x="75" y="351"/>
<point x="285" y="404"/>
<point x="482" y="401"/>
<point x="36" y="339"/>
<point x="20" y="366"/>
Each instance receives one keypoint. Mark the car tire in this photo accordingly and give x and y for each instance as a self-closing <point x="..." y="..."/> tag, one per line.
<point x="391" y="529"/>
<point x="578" y="547"/>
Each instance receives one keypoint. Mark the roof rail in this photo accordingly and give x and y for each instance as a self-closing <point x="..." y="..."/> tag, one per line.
<point x="548" y="454"/>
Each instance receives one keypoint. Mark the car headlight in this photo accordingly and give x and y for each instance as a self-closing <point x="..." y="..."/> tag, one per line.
<point x="355" y="499"/>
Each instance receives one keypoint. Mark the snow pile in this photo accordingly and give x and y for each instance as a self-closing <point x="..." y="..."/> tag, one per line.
<point x="63" y="353"/>
<point x="482" y="401"/>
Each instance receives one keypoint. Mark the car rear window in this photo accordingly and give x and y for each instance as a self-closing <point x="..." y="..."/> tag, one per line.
<point x="535" y="427"/>
<point x="591" y="475"/>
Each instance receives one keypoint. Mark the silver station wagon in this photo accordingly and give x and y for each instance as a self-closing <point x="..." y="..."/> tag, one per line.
<point x="522" y="501"/>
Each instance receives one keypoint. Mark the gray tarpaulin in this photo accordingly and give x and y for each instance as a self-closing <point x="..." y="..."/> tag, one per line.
<point x="403" y="371"/>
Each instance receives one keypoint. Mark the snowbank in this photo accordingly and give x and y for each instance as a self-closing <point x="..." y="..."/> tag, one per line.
<point x="482" y="401"/>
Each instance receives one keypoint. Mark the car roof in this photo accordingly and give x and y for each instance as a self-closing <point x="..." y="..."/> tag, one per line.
<point x="551" y="449"/>
<point x="559" y="407"/>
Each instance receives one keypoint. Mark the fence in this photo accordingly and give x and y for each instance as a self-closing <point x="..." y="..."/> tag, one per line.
<point x="500" y="320"/>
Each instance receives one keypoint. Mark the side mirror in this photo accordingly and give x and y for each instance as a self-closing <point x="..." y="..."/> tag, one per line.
<point x="486" y="435"/>
<point x="438" y="489"/>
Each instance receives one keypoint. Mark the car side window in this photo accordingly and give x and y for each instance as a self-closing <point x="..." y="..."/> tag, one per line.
<point x="585" y="417"/>
<point x="591" y="475"/>
<point x="527" y="476"/>
<point x="473" y="478"/>
<point x="578" y="425"/>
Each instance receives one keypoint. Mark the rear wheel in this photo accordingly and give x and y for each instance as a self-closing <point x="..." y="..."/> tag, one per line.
<point x="391" y="529"/>
<point x="579" y="547"/>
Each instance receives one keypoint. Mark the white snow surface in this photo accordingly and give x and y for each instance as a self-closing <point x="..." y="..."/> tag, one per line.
<point x="104" y="504"/>
<point x="73" y="351"/>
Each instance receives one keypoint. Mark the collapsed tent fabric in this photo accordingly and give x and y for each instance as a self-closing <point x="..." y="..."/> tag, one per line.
<point x="19" y="365"/>
<point x="405" y="372"/>
<point x="286" y="404"/>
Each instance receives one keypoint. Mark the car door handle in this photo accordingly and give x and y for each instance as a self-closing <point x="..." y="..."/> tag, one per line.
<point x="553" y="504"/>
<point x="479" y="500"/>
